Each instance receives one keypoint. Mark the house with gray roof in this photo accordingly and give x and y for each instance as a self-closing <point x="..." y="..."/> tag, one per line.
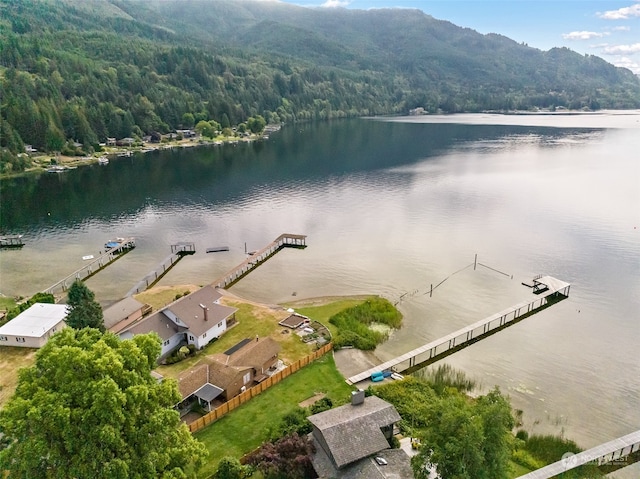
<point x="195" y="319"/>
<point x="349" y="438"/>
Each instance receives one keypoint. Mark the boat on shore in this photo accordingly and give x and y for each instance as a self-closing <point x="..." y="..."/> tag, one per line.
<point x="103" y="160"/>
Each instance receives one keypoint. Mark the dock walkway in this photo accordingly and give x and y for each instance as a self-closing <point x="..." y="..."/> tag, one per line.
<point x="285" y="240"/>
<point x="606" y="453"/>
<point x="110" y="255"/>
<point x="553" y="289"/>
<point x="178" y="251"/>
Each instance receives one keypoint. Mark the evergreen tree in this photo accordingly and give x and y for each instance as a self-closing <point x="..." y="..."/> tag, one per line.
<point x="84" y="310"/>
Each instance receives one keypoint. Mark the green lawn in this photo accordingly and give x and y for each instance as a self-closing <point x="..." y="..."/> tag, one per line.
<point x="248" y="427"/>
<point x="12" y="359"/>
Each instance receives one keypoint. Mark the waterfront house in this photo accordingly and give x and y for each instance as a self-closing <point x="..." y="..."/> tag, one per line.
<point x="196" y="319"/>
<point x="354" y="441"/>
<point x="223" y="376"/>
<point x="33" y="328"/>
<point x="124" y="313"/>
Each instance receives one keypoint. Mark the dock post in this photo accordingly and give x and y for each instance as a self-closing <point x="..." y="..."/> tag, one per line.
<point x="431" y="291"/>
<point x="475" y="262"/>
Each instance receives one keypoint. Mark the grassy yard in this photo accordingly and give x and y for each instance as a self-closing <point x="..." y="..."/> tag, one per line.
<point x="516" y="470"/>
<point x="160" y="296"/>
<point x="12" y="360"/>
<point x="247" y="427"/>
<point x="252" y="320"/>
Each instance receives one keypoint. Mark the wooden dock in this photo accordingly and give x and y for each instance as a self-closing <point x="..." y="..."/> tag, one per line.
<point x="610" y="452"/>
<point x="98" y="264"/>
<point x="285" y="240"/>
<point x="556" y="290"/>
<point x="178" y="251"/>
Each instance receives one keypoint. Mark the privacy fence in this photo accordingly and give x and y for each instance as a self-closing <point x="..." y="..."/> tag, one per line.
<point x="242" y="398"/>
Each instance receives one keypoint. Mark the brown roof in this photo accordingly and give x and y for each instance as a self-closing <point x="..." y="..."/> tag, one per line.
<point x="190" y="381"/>
<point x="190" y="311"/>
<point x="255" y="353"/>
<point x="120" y="310"/>
<point x="158" y="323"/>
<point x="293" y="321"/>
<point x="208" y="371"/>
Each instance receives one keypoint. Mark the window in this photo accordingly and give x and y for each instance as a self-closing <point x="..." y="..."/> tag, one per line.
<point x="20" y="340"/>
<point x="204" y="335"/>
<point x="4" y="338"/>
<point x="220" y="324"/>
<point x="246" y="378"/>
<point x="166" y="343"/>
<point x="191" y="338"/>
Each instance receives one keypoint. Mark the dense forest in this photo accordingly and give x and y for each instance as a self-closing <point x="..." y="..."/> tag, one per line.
<point x="75" y="72"/>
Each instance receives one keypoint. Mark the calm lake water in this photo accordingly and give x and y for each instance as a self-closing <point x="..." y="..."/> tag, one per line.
<point x="391" y="206"/>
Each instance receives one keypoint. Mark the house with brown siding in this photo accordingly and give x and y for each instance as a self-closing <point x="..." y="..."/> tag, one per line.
<point x="124" y="313"/>
<point x="232" y="372"/>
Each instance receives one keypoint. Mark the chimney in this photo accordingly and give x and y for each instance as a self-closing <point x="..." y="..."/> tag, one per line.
<point x="205" y="309"/>
<point x="357" y="397"/>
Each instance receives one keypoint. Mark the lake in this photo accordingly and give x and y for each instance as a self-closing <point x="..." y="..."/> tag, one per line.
<point x="391" y="206"/>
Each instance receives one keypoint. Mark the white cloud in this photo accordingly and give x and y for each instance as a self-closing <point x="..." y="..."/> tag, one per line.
<point x="622" y="13"/>
<point x="335" y="3"/>
<point x="626" y="62"/>
<point x="622" y="29"/>
<point x="583" y="35"/>
<point x="622" y="49"/>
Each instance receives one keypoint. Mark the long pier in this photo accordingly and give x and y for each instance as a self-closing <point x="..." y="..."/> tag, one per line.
<point x="610" y="452"/>
<point x="285" y="240"/>
<point x="548" y="291"/>
<point x="178" y="251"/>
<point x="109" y="256"/>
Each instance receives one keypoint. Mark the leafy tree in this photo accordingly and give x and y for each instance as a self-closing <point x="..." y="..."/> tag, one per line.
<point x="84" y="310"/>
<point x="287" y="458"/>
<point x="230" y="468"/>
<point x="204" y="128"/>
<point x="188" y="120"/>
<point x="89" y="407"/>
<point x="467" y="440"/>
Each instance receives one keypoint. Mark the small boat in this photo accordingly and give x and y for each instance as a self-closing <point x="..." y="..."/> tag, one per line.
<point x="103" y="160"/>
<point x="56" y="169"/>
<point x="87" y="257"/>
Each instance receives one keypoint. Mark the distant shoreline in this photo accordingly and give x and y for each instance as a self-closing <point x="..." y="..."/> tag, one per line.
<point x="43" y="161"/>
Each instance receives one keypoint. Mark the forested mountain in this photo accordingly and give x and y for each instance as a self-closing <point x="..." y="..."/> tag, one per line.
<point x="84" y="70"/>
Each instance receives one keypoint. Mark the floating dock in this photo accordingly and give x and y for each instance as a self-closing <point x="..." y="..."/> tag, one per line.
<point x="121" y="246"/>
<point x="11" y="241"/>
<point x="285" y="240"/>
<point x="555" y="290"/>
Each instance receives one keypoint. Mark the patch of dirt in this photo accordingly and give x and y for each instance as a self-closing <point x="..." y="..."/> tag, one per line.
<point x="311" y="400"/>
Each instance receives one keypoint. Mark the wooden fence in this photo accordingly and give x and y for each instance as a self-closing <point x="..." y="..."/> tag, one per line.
<point x="242" y="398"/>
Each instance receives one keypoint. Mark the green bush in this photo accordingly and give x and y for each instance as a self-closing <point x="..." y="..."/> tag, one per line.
<point x="354" y="324"/>
<point x="525" y="459"/>
<point x="321" y="405"/>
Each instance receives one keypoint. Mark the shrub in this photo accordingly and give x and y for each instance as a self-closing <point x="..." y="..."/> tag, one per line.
<point x="321" y="405"/>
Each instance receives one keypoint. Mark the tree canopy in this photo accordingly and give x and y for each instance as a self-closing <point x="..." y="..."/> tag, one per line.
<point x="84" y="310"/>
<point x="89" y="407"/>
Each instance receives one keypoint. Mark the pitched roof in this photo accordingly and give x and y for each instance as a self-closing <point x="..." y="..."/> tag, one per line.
<point x="199" y="310"/>
<point x="157" y="323"/>
<point x="208" y="371"/>
<point x="120" y="310"/>
<point x="354" y="432"/>
<point x="35" y="321"/>
<point x="254" y="353"/>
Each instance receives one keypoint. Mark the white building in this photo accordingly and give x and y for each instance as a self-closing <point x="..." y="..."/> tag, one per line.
<point x="33" y="328"/>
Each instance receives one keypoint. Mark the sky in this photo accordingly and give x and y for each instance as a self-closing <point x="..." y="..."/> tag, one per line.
<point x="609" y="29"/>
